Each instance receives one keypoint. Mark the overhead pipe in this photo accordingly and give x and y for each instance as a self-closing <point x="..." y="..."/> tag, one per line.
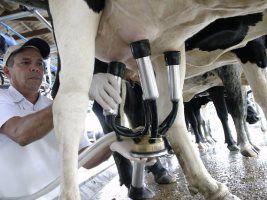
<point x="41" y="18"/>
<point x="53" y="68"/>
<point x="15" y="16"/>
<point x="13" y="31"/>
<point x="30" y="11"/>
<point x="10" y="41"/>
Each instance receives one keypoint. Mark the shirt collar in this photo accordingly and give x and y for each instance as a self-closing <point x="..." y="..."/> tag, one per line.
<point x="15" y="94"/>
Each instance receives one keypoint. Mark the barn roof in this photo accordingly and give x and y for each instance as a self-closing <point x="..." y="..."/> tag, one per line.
<point x="25" y="18"/>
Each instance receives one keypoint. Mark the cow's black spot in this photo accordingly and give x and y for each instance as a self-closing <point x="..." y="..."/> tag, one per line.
<point x="223" y="33"/>
<point x="96" y="5"/>
<point x="253" y="52"/>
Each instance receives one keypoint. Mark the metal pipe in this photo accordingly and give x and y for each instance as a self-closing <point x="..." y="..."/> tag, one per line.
<point x="138" y="174"/>
<point x="41" y="18"/>
<point x="141" y="52"/>
<point x="148" y="81"/>
<point x="15" y="16"/>
<point x="53" y="48"/>
<point x="54" y="68"/>
<point x="174" y="82"/>
<point x="12" y="30"/>
<point x="172" y="59"/>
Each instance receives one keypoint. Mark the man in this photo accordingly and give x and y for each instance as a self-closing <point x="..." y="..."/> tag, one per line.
<point x="29" y="154"/>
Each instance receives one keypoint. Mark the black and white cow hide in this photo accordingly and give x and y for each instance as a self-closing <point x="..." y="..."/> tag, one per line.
<point x="84" y="32"/>
<point x="251" y="56"/>
<point x="214" y="40"/>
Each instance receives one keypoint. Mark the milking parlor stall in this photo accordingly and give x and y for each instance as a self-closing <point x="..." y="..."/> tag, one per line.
<point x="160" y="101"/>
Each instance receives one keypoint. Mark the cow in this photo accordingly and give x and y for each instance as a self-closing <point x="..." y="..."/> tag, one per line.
<point x="200" y="126"/>
<point x="106" y="29"/>
<point x="193" y="118"/>
<point x="218" y="96"/>
<point x="252" y="53"/>
<point x="252" y="57"/>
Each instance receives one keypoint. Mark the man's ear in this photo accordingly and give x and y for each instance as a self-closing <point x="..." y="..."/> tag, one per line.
<point x="6" y="71"/>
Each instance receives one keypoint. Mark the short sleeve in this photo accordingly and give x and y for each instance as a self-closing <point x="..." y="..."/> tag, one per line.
<point x="7" y="111"/>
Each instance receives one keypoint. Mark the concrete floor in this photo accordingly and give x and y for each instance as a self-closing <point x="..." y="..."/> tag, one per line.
<point x="245" y="177"/>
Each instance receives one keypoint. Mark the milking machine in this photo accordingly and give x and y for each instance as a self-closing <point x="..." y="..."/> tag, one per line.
<point x="148" y="141"/>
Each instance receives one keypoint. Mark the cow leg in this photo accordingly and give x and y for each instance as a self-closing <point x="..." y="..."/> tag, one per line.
<point x="206" y="126"/>
<point x="230" y="76"/>
<point x="71" y="102"/>
<point x="217" y="95"/>
<point x="207" y="132"/>
<point x="198" y="178"/>
<point x="258" y="83"/>
<point x="199" y="123"/>
<point x="193" y="121"/>
<point x="249" y="137"/>
<point x="244" y="92"/>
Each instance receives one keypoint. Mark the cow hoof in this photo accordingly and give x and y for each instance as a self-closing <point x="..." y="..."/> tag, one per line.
<point x="233" y="147"/>
<point x="222" y="194"/>
<point x="140" y="193"/>
<point x="228" y="196"/>
<point x="256" y="148"/>
<point x="202" y="146"/>
<point x="211" y="141"/>
<point x="249" y="151"/>
<point x="193" y="190"/>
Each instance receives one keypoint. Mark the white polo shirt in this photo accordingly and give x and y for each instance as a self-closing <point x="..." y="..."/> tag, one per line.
<point x="26" y="170"/>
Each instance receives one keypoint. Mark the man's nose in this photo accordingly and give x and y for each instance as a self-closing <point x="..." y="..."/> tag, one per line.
<point x="35" y="68"/>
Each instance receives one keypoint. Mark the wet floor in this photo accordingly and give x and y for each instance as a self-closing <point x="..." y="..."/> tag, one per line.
<point x="245" y="177"/>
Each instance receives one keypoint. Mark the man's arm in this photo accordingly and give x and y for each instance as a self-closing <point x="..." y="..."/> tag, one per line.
<point x="24" y="130"/>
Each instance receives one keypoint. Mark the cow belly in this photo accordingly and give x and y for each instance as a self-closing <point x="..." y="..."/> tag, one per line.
<point x="191" y="71"/>
<point x="199" y="84"/>
<point x="167" y="26"/>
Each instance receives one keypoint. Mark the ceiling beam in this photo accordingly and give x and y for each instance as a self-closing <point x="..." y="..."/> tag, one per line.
<point x="31" y="19"/>
<point x="16" y="15"/>
<point x="6" y="13"/>
<point x="34" y="33"/>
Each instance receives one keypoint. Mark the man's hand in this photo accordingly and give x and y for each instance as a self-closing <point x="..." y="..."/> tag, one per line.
<point x="105" y="90"/>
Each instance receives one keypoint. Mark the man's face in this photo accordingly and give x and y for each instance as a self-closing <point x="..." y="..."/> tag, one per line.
<point x="27" y="71"/>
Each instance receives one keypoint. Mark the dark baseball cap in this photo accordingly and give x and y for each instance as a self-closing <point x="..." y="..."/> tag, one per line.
<point x="36" y="43"/>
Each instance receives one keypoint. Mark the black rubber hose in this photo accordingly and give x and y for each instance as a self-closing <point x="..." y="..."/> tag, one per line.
<point x="167" y="123"/>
